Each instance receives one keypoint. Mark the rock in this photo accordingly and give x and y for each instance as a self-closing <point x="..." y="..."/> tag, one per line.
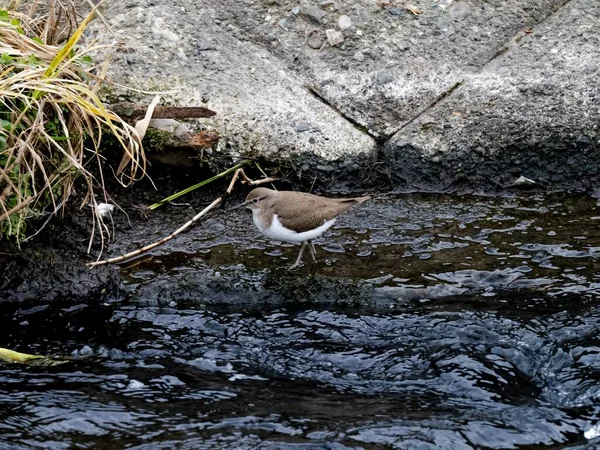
<point x="334" y="37"/>
<point x="395" y="11"/>
<point x="460" y="10"/>
<point x="523" y="181"/>
<point x="500" y="106"/>
<point x="384" y="77"/>
<point x="328" y="5"/>
<point x="315" y="39"/>
<point x="314" y="14"/>
<point x="344" y="22"/>
<point x="302" y="127"/>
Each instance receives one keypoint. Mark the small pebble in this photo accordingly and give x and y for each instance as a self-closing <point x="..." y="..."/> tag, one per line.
<point x="315" y="39"/>
<point x="551" y="233"/>
<point x="314" y="14"/>
<point x="460" y="10"/>
<point x="344" y="22"/>
<point x="384" y="77"/>
<point x="328" y="5"/>
<point x="396" y="11"/>
<point x="302" y="127"/>
<point x="334" y="37"/>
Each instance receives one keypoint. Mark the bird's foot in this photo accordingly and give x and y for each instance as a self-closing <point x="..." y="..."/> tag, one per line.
<point x="295" y="265"/>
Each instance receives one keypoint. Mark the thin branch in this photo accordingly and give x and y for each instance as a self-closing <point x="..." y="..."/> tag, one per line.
<point x="189" y="223"/>
<point x="160" y="242"/>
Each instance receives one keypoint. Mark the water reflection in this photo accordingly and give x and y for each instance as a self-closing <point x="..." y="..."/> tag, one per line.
<point x="490" y="342"/>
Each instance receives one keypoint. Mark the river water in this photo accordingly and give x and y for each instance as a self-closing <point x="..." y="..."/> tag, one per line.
<point x="430" y="322"/>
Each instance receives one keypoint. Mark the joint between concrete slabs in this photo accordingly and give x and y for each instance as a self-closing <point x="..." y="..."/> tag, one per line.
<point x="360" y="127"/>
<point x="507" y="45"/>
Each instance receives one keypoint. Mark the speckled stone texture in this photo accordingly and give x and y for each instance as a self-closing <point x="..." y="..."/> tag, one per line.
<point x="465" y="94"/>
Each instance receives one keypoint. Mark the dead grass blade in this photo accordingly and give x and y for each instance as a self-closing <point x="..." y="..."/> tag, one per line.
<point x="52" y="121"/>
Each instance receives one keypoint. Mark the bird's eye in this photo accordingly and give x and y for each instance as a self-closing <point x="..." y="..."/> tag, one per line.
<point x="255" y="200"/>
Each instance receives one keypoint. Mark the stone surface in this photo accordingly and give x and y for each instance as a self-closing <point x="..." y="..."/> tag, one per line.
<point x="429" y="53"/>
<point x="463" y="92"/>
<point x="255" y="95"/>
<point x="524" y="115"/>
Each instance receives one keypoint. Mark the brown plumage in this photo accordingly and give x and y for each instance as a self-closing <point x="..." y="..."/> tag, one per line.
<point x="306" y="214"/>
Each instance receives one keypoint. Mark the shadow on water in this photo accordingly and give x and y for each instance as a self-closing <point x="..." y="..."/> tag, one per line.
<point x="431" y="322"/>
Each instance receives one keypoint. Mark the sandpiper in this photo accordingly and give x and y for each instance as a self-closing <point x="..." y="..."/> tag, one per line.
<point x="296" y="216"/>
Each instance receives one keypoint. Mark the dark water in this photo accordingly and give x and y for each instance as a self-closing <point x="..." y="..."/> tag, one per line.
<point x="433" y="322"/>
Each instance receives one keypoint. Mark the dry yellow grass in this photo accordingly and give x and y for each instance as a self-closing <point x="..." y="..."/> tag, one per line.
<point x="52" y="121"/>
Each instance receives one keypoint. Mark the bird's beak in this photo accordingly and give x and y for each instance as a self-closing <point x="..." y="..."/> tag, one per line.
<point x="237" y="206"/>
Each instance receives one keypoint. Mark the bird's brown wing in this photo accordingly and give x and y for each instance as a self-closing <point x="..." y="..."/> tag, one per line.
<point x="298" y="216"/>
<point x="303" y="212"/>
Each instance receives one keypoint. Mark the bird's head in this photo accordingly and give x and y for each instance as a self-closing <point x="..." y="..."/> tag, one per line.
<point x="258" y="198"/>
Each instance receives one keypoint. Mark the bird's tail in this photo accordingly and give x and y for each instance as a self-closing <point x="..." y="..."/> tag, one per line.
<point x="359" y="200"/>
<point x="354" y="201"/>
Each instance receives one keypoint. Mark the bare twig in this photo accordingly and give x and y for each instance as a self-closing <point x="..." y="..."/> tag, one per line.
<point x="160" y="242"/>
<point x="189" y="223"/>
<point x="261" y="181"/>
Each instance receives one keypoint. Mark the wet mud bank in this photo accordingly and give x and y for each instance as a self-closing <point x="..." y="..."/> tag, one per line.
<point x="552" y="166"/>
<point x="396" y="248"/>
<point x="557" y="165"/>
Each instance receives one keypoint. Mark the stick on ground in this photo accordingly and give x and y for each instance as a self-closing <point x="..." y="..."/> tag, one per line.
<point x="188" y="224"/>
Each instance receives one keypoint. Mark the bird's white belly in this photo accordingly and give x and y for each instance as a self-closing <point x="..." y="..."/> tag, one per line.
<point x="278" y="232"/>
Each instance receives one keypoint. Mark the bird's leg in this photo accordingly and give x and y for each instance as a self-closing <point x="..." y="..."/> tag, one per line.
<point x="297" y="263"/>
<point x="313" y="252"/>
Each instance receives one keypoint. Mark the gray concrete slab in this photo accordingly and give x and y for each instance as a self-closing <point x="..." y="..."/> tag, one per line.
<point x="393" y="64"/>
<point x="532" y="112"/>
<point x="459" y="94"/>
<point x="182" y="50"/>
